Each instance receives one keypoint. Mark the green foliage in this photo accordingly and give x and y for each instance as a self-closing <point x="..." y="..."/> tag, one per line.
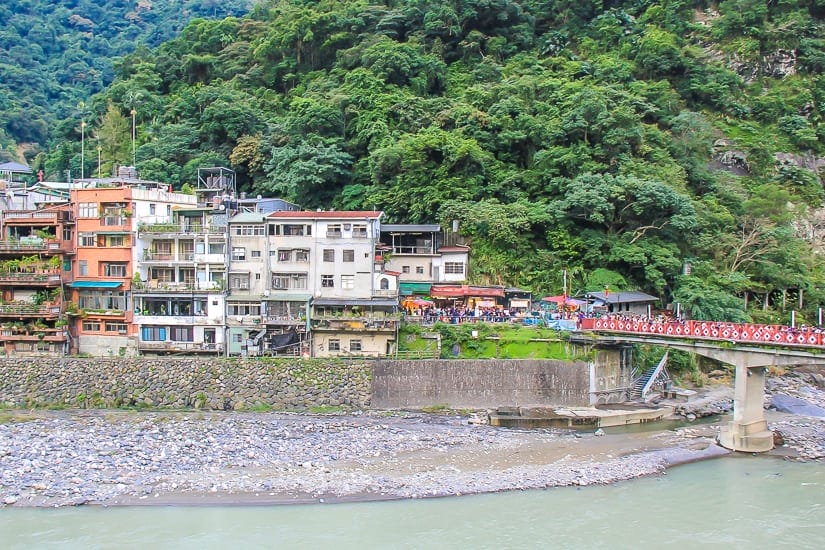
<point x="576" y="136"/>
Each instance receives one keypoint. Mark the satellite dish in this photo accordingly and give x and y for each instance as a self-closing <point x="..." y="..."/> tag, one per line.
<point x="222" y="207"/>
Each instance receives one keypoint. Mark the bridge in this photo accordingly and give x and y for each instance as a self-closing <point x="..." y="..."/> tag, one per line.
<point x="750" y="348"/>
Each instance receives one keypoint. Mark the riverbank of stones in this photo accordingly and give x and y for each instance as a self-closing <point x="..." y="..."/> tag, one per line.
<point x="175" y="383"/>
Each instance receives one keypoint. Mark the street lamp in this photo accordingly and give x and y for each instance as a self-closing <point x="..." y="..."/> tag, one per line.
<point x="82" y="148"/>
<point x="134" y="112"/>
<point x="99" y="149"/>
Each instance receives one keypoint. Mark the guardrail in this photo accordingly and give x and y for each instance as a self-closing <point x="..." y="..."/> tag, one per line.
<point x="746" y="333"/>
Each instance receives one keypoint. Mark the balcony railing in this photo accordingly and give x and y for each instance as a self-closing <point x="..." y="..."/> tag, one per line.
<point x="203" y="347"/>
<point x="151" y="286"/>
<point x="33" y="279"/>
<point x="150" y="256"/>
<point x="427" y="250"/>
<point x="380" y="324"/>
<point x="47" y="217"/>
<point x="178" y="228"/>
<point x="30" y="245"/>
<point x="27" y="309"/>
<point x="110" y="221"/>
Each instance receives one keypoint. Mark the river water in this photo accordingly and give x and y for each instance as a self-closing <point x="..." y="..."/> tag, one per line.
<point x="731" y="502"/>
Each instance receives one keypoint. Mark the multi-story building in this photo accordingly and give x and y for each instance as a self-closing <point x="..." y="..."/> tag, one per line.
<point x="331" y="257"/>
<point x="309" y="283"/>
<point x="35" y="253"/>
<point x="108" y="213"/>
<point x="419" y="254"/>
<point x="178" y="286"/>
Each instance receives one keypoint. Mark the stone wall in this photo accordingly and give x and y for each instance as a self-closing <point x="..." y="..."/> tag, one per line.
<point x="480" y="384"/>
<point x="222" y="384"/>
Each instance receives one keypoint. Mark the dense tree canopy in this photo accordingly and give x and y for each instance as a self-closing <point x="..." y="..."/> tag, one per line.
<point x="669" y="147"/>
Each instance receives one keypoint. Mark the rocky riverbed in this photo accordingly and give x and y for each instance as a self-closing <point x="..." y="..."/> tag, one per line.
<point x="60" y="458"/>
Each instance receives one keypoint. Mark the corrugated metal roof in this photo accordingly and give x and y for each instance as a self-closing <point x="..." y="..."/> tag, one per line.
<point x="354" y="302"/>
<point x="325" y="214"/>
<point x="247" y="217"/>
<point x="622" y="297"/>
<point x="410" y="228"/>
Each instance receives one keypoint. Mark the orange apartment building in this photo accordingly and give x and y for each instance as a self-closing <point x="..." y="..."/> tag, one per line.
<point x="35" y="263"/>
<point x="106" y="258"/>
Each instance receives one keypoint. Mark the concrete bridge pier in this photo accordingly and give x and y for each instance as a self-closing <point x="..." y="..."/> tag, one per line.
<point x="748" y="431"/>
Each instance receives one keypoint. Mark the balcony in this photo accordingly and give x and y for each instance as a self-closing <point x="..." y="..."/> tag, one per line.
<point x="180" y="347"/>
<point x="177" y="228"/>
<point x="9" y="333"/>
<point x="284" y="320"/>
<point x="37" y="217"/>
<point x="153" y="286"/>
<point x="30" y="279"/>
<point x="150" y="256"/>
<point x="349" y="324"/>
<point x="388" y="293"/>
<point x="30" y="244"/>
<point x="115" y="221"/>
<point x="28" y="309"/>
<point x="427" y="250"/>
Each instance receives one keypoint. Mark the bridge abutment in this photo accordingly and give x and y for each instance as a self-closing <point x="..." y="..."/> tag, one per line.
<point x="748" y="431"/>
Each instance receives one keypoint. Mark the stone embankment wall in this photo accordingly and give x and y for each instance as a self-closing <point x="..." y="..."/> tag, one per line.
<point x="219" y="384"/>
<point x="480" y="384"/>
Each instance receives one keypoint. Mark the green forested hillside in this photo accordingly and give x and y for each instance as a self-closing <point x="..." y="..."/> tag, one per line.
<point x="56" y="54"/>
<point x="667" y="146"/>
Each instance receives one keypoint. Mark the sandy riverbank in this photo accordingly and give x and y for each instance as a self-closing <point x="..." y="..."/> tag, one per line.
<point x="62" y="458"/>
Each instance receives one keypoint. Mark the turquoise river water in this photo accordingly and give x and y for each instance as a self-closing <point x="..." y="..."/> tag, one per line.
<point x="731" y="502"/>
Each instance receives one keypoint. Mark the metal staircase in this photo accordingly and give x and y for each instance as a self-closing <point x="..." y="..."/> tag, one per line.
<point x="642" y="385"/>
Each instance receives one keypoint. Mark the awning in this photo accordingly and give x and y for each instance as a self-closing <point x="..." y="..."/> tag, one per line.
<point x="274" y="297"/>
<point x="113" y="232"/>
<point x="407" y="288"/>
<point x="460" y="291"/>
<point x="96" y="284"/>
<point x="354" y="302"/>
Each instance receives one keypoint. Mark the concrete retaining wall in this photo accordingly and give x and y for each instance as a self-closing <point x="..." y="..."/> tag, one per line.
<point x="480" y="384"/>
<point x="186" y="382"/>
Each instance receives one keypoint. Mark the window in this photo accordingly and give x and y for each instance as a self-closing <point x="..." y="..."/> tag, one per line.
<point x="114" y="241"/>
<point x="87" y="239"/>
<point x="405" y="269"/>
<point x="169" y="210"/>
<point x="354" y="345"/>
<point x="87" y="210"/>
<point x="162" y="274"/>
<point x="67" y="234"/>
<point x="302" y="255"/>
<point x="102" y="300"/>
<point x="385" y="283"/>
<point x="83" y="267"/>
<point x="216" y="248"/>
<point x="359" y="230"/>
<point x="419" y="269"/>
<point x="186" y="250"/>
<point x="295" y="230"/>
<point x="152" y="209"/>
<point x="335" y="345"/>
<point x="284" y="281"/>
<point x="239" y="281"/>
<point x="284" y="255"/>
<point x="455" y="268"/>
<point x="187" y="275"/>
<point x="244" y="308"/>
<point x="182" y="334"/>
<point x="91" y="326"/>
<point x="153" y="334"/>
<point x="120" y="328"/>
<point x="114" y="269"/>
<point x="256" y="254"/>
<point x="161" y="250"/>
<point x="248" y="230"/>
<point x="237" y="338"/>
<point x="348" y="282"/>
<point x="329" y="255"/>
<point x="349" y="255"/>
<point x="238" y="253"/>
<point x="333" y="230"/>
<point x="327" y="281"/>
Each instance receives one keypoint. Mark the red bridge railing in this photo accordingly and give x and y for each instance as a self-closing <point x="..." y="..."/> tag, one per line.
<point x="710" y="330"/>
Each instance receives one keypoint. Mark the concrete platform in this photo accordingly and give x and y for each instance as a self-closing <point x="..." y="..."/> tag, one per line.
<point x="583" y="418"/>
